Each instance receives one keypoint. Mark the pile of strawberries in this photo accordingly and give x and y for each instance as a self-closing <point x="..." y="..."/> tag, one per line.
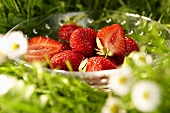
<point x="84" y="48"/>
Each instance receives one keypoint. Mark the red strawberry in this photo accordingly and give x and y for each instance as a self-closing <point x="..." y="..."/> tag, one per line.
<point x="112" y="40"/>
<point x="118" y="60"/>
<point x="65" y="46"/>
<point x="130" y="46"/>
<point x="66" y="30"/>
<point x="98" y="63"/>
<point x="59" y="60"/>
<point x="41" y="47"/>
<point x="83" y="40"/>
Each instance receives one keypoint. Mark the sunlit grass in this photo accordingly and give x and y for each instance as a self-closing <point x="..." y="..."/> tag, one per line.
<point x="15" y="11"/>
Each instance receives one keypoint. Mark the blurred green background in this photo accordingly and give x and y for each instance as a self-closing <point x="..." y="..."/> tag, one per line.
<point x="13" y="12"/>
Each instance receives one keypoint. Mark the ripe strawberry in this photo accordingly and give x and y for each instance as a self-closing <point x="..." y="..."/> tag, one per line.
<point x="66" y="30"/>
<point x="65" y="46"/>
<point x="98" y="63"/>
<point x="111" y="40"/>
<point x="59" y="60"/>
<point x="130" y="46"/>
<point x="40" y="47"/>
<point x="83" y="40"/>
<point x="117" y="59"/>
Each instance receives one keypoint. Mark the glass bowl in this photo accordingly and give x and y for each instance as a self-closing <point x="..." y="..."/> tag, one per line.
<point x="145" y="31"/>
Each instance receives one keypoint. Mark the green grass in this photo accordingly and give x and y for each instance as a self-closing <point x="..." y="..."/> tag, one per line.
<point x="65" y="94"/>
<point x="13" y="12"/>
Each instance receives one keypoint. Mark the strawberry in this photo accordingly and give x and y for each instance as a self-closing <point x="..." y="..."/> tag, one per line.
<point x="65" y="46"/>
<point x="117" y="59"/>
<point x="40" y="48"/>
<point x="66" y="30"/>
<point x="98" y="63"/>
<point x="111" y="40"/>
<point x="59" y="60"/>
<point x="83" y="40"/>
<point x="130" y="46"/>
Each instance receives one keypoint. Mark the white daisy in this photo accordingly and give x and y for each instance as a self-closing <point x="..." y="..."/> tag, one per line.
<point x="146" y="95"/>
<point x="112" y="105"/>
<point x="141" y="58"/>
<point x="1" y="35"/>
<point x="2" y="56"/>
<point x="6" y="83"/>
<point x="15" y="44"/>
<point x="121" y="80"/>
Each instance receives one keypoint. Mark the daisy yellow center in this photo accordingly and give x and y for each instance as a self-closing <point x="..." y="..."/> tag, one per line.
<point x="142" y="58"/>
<point x="146" y="95"/>
<point x="15" y="46"/>
<point x="115" y="109"/>
<point x="123" y="80"/>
